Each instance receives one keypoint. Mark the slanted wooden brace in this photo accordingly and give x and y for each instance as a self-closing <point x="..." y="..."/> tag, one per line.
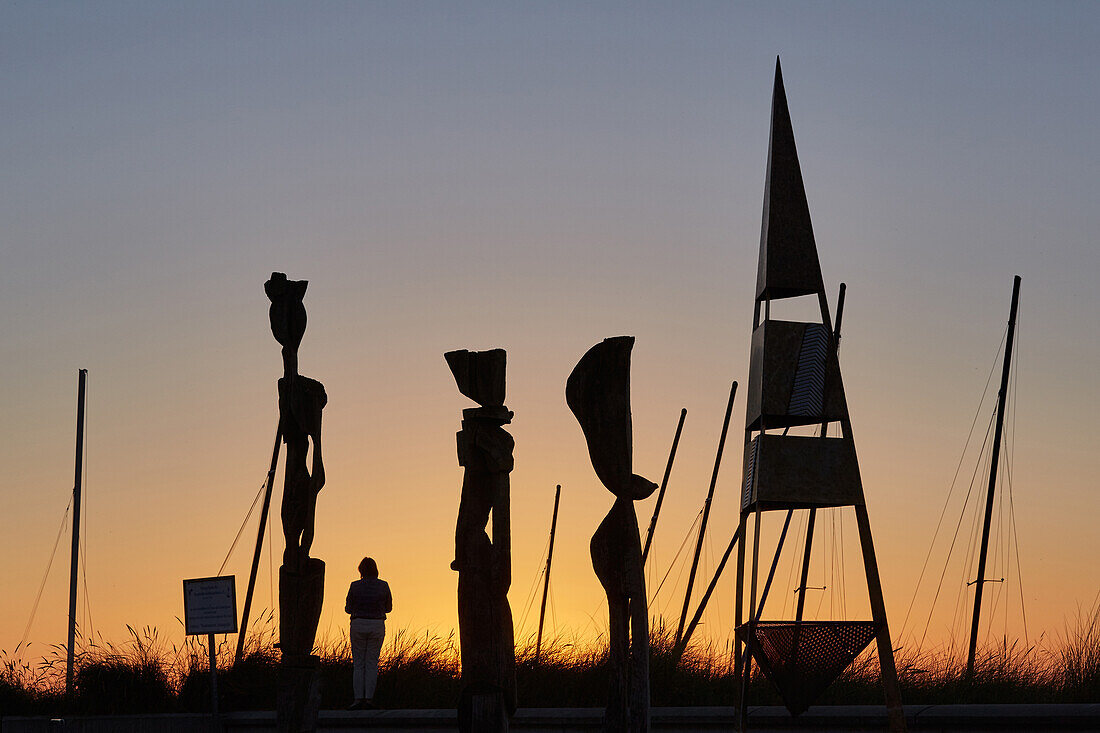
<point x="794" y="381"/>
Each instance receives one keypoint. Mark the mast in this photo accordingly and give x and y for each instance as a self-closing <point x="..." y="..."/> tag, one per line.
<point x="664" y="485"/>
<point x="546" y="580"/>
<point x="81" y="392"/>
<point x="706" y="512"/>
<point x="259" y="546"/>
<point x="994" y="457"/>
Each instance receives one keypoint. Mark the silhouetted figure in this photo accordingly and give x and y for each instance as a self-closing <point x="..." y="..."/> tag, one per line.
<point x="484" y="566"/>
<point x="368" y="602"/>
<point x="598" y="393"/>
<point x="301" y="578"/>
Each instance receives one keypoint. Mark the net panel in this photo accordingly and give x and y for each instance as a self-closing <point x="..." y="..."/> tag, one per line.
<point x="803" y="658"/>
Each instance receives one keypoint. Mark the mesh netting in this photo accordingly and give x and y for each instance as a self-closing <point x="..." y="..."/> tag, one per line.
<point x="803" y="658"/>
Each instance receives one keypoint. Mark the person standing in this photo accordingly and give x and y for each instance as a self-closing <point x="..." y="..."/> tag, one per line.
<point x="368" y="602"/>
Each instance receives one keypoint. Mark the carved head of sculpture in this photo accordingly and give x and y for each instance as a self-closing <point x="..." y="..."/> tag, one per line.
<point x="598" y="393"/>
<point x="480" y="376"/>
<point x="287" y="313"/>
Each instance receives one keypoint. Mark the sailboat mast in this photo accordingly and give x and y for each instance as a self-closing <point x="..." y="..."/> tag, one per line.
<point x="706" y="513"/>
<point x="243" y="632"/>
<point x="664" y="485"/>
<point x="1002" y="398"/>
<point x="82" y="382"/>
<point x="546" y="580"/>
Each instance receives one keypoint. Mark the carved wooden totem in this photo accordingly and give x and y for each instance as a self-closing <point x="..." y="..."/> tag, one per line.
<point x="598" y="393"/>
<point x="301" y="577"/>
<point x="484" y="566"/>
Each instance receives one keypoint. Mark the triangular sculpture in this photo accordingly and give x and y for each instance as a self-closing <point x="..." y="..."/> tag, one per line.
<point x="794" y="382"/>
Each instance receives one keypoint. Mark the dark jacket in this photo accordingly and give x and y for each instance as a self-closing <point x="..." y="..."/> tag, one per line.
<point x="369" y="598"/>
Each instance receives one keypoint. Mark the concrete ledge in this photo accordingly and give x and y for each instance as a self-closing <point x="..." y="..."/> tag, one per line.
<point x="1082" y="718"/>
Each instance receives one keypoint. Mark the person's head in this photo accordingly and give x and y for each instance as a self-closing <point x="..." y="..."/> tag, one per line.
<point x="368" y="568"/>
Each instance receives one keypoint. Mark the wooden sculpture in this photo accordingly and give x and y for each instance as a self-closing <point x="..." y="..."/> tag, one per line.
<point x="484" y="565"/>
<point x="301" y="577"/>
<point x="598" y="393"/>
<point x="795" y="383"/>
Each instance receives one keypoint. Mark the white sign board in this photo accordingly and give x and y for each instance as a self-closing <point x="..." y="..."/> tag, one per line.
<point x="210" y="605"/>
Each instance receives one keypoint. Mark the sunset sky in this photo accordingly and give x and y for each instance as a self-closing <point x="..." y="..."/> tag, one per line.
<point x="535" y="177"/>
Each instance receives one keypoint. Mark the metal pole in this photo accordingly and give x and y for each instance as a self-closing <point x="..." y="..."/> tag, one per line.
<point x="994" y="457"/>
<point x="839" y="315"/>
<point x="82" y="381"/>
<point x="546" y="580"/>
<point x="259" y="545"/>
<point x="664" y="485"/>
<point x="805" y="566"/>
<point x="213" y="683"/>
<point x="706" y="513"/>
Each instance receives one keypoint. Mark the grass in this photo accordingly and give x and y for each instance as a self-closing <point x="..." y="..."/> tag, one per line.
<point x="145" y="673"/>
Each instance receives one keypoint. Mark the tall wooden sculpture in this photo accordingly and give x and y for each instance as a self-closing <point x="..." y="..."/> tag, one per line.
<point x="598" y="393"/>
<point x="794" y="380"/>
<point x="301" y="577"/>
<point x="484" y="566"/>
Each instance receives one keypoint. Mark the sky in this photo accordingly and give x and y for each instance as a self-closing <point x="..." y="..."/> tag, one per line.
<point x="534" y="177"/>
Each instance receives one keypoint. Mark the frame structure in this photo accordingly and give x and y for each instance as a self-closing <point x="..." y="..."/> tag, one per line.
<point x="794" y="381"/>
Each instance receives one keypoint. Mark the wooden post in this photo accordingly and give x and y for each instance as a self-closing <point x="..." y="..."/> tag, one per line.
<point x="894" y="711"/>
<point x="259" y="545"/>
<point x="739" y="596"/>
<point x="706" y="512"/>
<point x="747" y="660"/>
<point x="546" y="580"/>
<point x="214" y="722"/>
<point x="1002" y="396"/>
<point x="81" y="390"/>
<point x="664" y="485"/>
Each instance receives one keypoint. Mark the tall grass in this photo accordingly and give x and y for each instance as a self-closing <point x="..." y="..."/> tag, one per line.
<point x="145" y="673"/>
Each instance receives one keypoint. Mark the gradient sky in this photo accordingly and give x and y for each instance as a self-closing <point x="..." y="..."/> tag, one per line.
<point x="534" y="177"/>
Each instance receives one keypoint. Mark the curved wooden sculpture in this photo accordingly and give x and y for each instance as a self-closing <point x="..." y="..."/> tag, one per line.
<point x="598" y="393"/>
<point x="484" y="566"/>
<point x="301" y="577"/>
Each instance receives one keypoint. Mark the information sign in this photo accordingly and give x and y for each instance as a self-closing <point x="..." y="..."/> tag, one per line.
<point x="210" y="605"/>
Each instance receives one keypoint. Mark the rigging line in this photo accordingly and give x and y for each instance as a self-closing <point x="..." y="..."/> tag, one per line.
<point x="954" y="537"/>
<point x="87" y="606"/>
<point x="42" y="585"/>
<point x="687" y="537"/>
<point x="553" y="608"/>
<point x="534" y="586"/>
<point x="962" y="598"/>
<point x="1015" y="532"/>
<point x="792" y="563"/>
<point x="973" y="547"/>
<point x="975" y="541"/>
<point x="270" y="568"/>
<point x="997" y="593"/>
<point x="951" y="488"/>
<point x="843" y="569"/>
<point x="240" y="531"/>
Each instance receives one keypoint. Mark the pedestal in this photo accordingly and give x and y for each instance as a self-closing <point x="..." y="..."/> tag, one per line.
<point x="299" y="698"/>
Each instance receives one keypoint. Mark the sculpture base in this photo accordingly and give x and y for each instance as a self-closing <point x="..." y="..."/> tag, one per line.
<point x="301" y="593"/>
<point x="299" y="696"/>
<point x="482" y="712"/>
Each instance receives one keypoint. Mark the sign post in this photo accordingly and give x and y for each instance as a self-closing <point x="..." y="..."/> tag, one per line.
<point x="210" y="607"/>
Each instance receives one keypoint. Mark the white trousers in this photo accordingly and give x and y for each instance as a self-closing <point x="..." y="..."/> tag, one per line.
<point x="366" y="644"/>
